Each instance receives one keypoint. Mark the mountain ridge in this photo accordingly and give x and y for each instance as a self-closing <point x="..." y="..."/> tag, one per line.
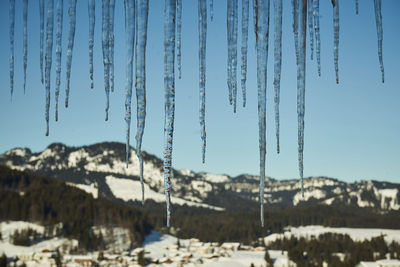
<point x="102" y="166"/>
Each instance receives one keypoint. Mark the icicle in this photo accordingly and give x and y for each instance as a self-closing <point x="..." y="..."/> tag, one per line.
<point x="25" y="15"/>
<point x="129" y="38"/>
<point x="142" y="19"/>
<point x="295" y="10"/>
<point x="336" y="38"/>
<point x="106" y="50"/>
<point x="212" y="10"/>
<point x="92" y="19"/>
<point x="245" y="30"/>
<point x="379" y="31"/>
<point x="48" y="57"/>
<point x="311" y="26"/>
<point x="277" y="63"/>
<point x="232" y="27"/>
<point x="356" y="7"/>
<point x="111" y="43"/>
<point x="60" y="4"/>
<point x="262" y="36"/>
<point x="178" y="36"/>
<point x="202" y="27"/>
<point x="301" y="84"/>
<point x="12" y="26"/>
<point x="169" y="83"/>
<point x="317" y="34"/>
<point x="71" y="37"/>
<point x="41" y="13"/>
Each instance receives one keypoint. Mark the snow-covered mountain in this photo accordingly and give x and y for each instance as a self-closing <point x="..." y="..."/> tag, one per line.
<point x="100" y="169"/>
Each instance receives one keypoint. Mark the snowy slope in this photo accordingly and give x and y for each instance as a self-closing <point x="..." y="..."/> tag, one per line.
<point x="357" y="234"/>
<point x="88" y="167"/>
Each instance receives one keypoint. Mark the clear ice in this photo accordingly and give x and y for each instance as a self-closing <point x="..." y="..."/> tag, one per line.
<point x="301" y="84"/>
<point x="202" y="26"/>
<point x="311" y="26"/>
<point x="25" y="16"/>
<point x="111" y="43"/>
<point x="379" y="31"/>
<point x="60" y="5"/>
<point x="41" y="14"/>
<point x="262" y="36"/>
<point x="92" y="19"/>
<point x="295" y="13"/>
<point x="232" y="28"/>
<point x="169" y="84"/>
<point x="277" y="63"/>
<point x="245" y="32"/>
<point x="336" y="38"/>
<point x="12" y="29"/>
<point x="71" y="37"/>
<point x="106" y="50"/>
<point x="48" y="56"/>
<point x="178" y="36"/>
<point x="142" y="19"/>
<point x="129" y="8"/>
<point x="317" y="34"/>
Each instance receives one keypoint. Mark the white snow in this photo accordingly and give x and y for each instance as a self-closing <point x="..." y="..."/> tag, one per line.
<point x="389" y="194"/>
<point x="357" y="234"/>
<point x="8" y="228"/>
<point x="91" y="189"/>
<point x="20" y="152"/>
<point x="163" y="246"/>
<point x="316" y="193"/>
<point x="202" y="187"/>
<point x="127" y="189"/>
<point x="215" y="178"/>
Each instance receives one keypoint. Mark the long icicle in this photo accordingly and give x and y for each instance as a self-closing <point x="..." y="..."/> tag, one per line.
<point x="178" y="36"/>
<point x="317" y="34"/>
<point x="41" y="14"/>
<point x="212" y="10"/>
<point x="379" y="31"/>
<point x="295" y="25"/>
<point x="111" y="43"/>
<point x="245" y="32"/>
<point x="143" y="10"/>
<point x="232" y="28"/>
<point x="277" y="64"/>
<point x="25" y="37"/>
<point x="12" y="29"/>
<point x="169" y="84"/>
<point x="202" y="28"/>
<point x="336" y="38"/>
<point x="60" y="4"/>
<point x="92" y="19"/>
<point x="301" y="85"/>
<point x="356" y="7"/>
<point x="129" y="9"/>
<point x="71" y="37"/>
<point x="48" y="57"/>
<point x="106" y="50"/>
<point x="311" y="26"/>
<point x="262" y="36"/>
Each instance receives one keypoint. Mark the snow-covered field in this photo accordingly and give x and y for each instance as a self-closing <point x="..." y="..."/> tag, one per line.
<point x="8" y="228"/>
<point x="357" y="234"/>
<point x="162" y="247"/>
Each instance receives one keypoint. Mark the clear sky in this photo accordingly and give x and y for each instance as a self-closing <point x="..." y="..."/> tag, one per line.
<point x="351" y="130"/>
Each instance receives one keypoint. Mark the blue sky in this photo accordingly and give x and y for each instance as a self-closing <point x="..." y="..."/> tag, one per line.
<point x="351" y="129"/>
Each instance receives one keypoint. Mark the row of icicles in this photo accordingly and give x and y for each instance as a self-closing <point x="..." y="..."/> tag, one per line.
<point x="136" y="18"/>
